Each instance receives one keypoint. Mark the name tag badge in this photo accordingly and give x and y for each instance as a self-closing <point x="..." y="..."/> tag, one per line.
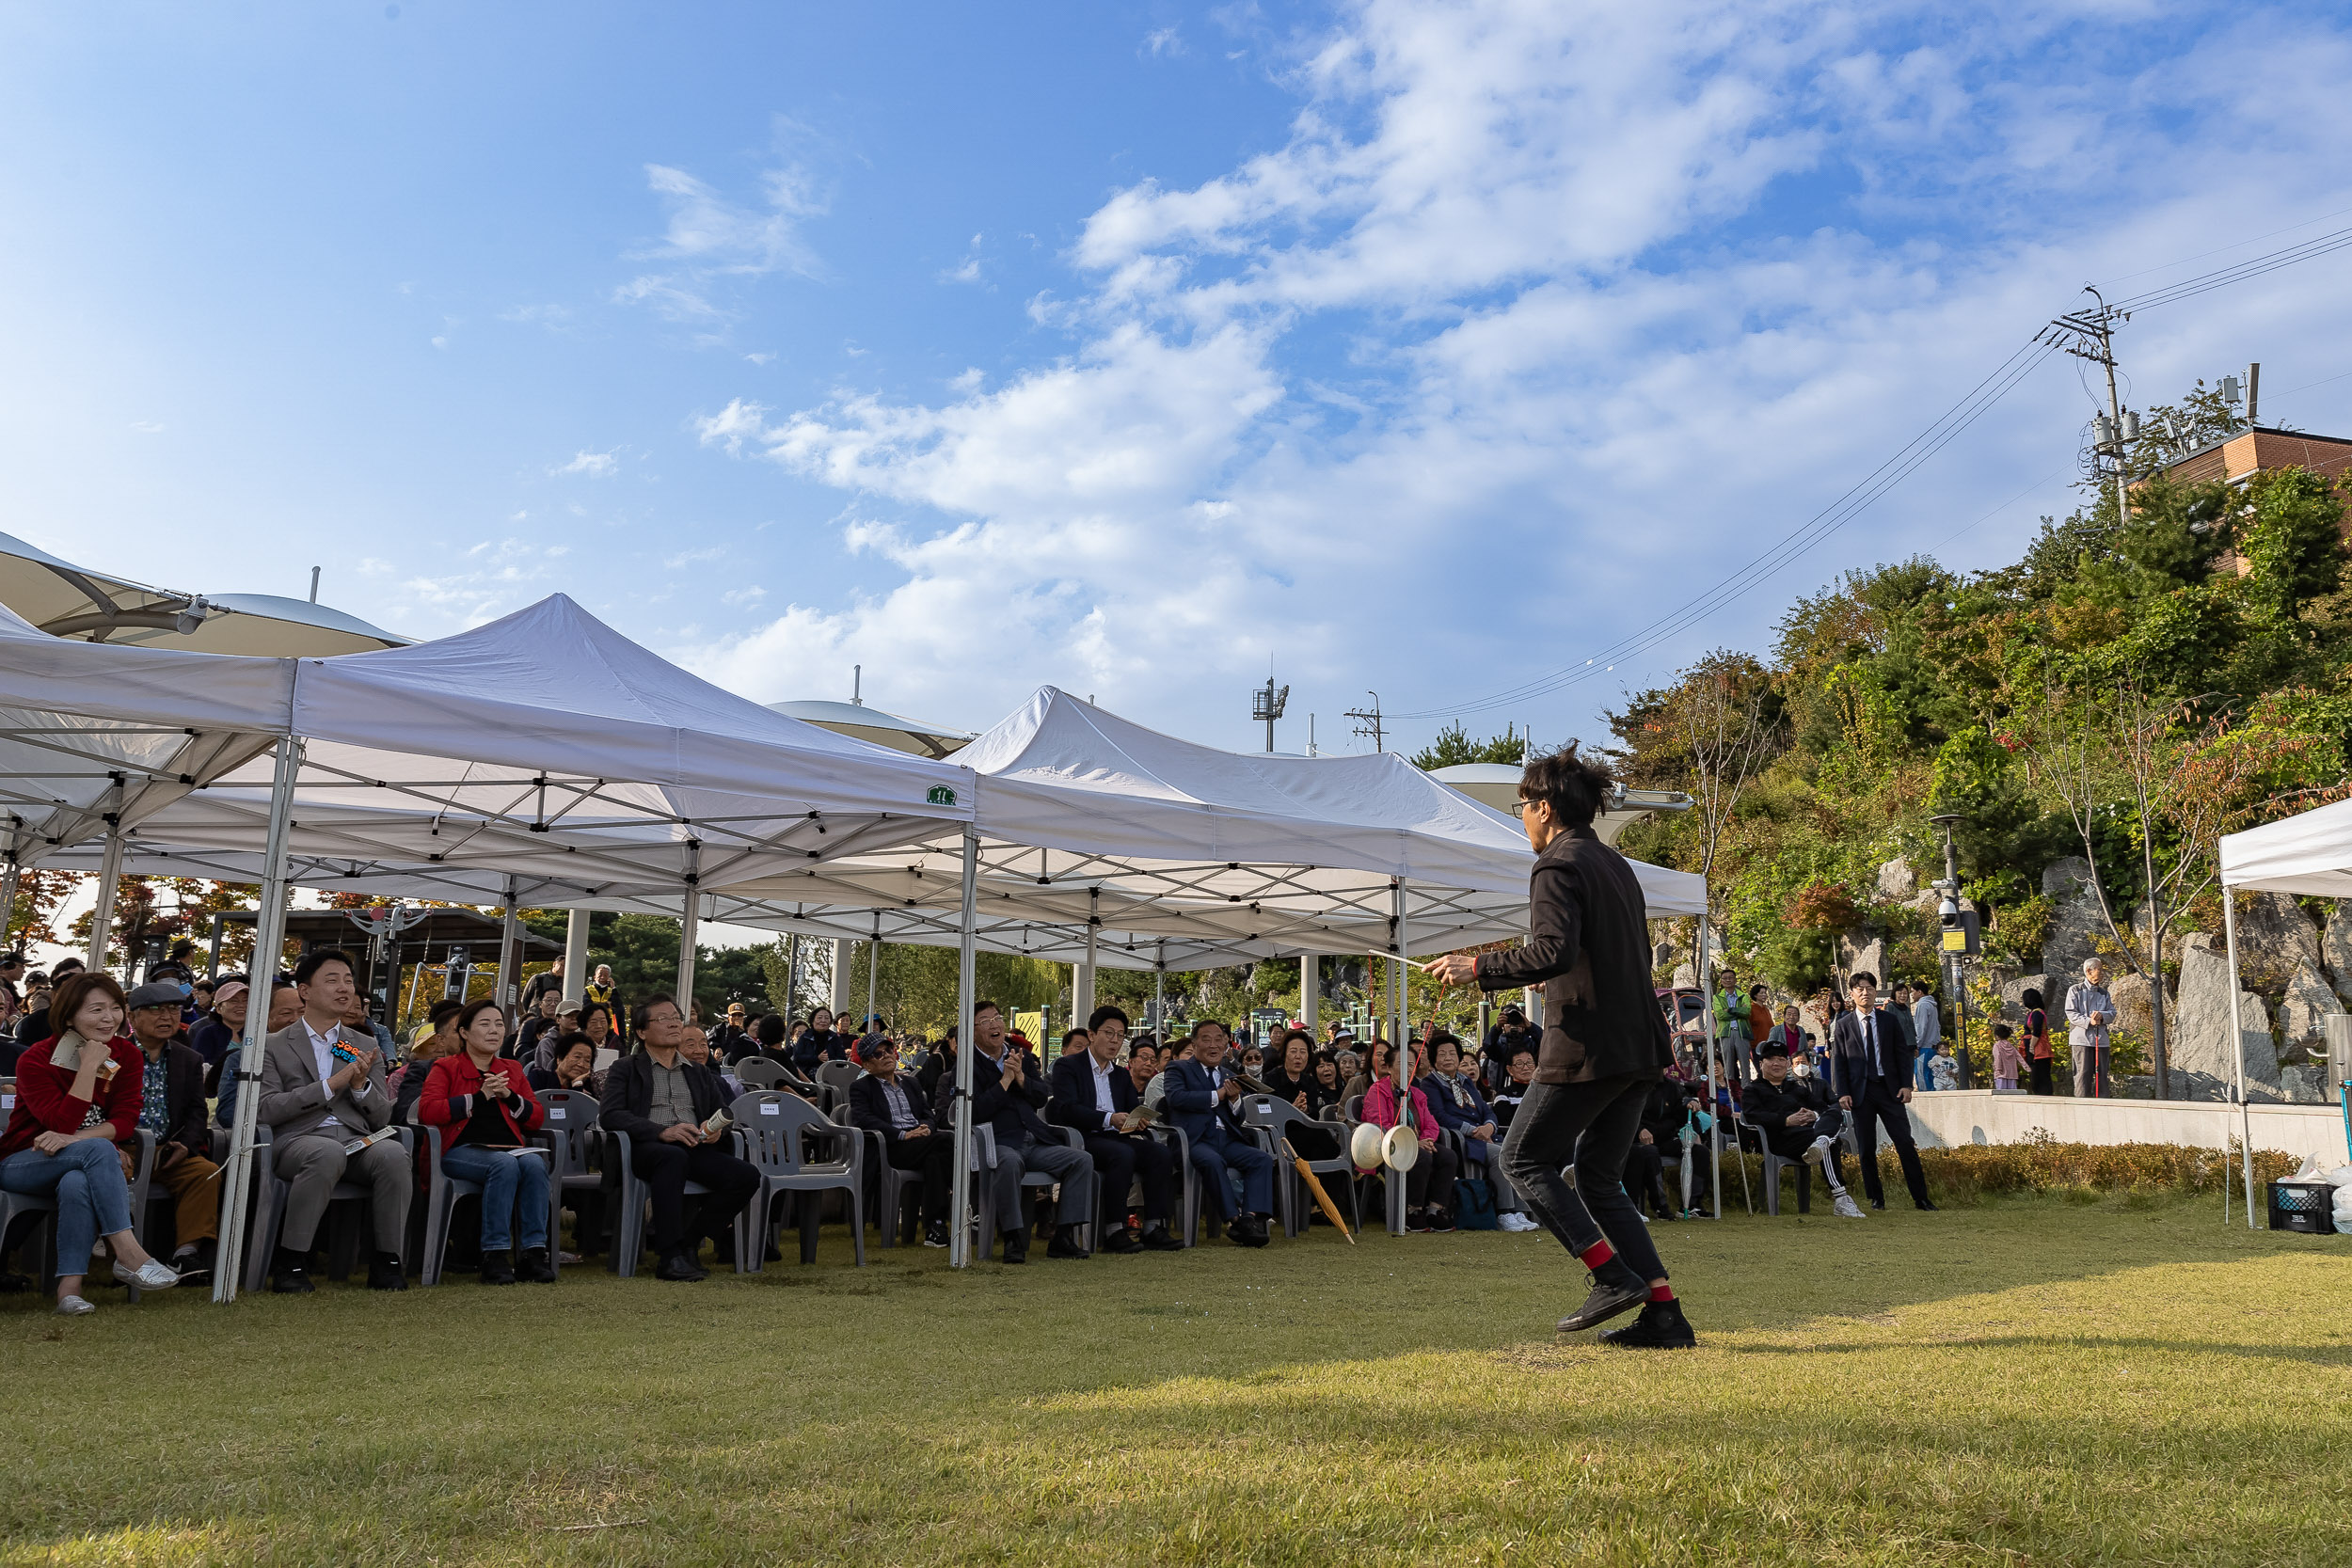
<point x="769" y="1108"/>
<point x="1266" y="1107"/>
<point x="555" y="1112"/>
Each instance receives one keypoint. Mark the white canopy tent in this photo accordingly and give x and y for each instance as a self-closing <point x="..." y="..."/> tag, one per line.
<point x="543" y="745"/>
<point x="2310" y="854"/>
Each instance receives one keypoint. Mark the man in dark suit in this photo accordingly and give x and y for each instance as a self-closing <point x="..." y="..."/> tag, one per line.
<point x="1604" y="1049"/>
<point x="1008" y="1092"/>
<point x="1200" y="1101"/>
<point x="662" y="1101"/>
<point x="1870" y="1071"/>
<point x="1091" y="1091"/>
<point x="884" y="1100"/>
<point x="1798" y="1118"/>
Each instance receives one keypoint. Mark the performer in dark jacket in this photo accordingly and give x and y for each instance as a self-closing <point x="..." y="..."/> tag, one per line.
<point x="1604" y="1049"/>
<point x="886" y="1102"/>
<point x="1870" y="1069"/>
<point x="1091" y="1091"/>
<point x="1798" y="1118"/>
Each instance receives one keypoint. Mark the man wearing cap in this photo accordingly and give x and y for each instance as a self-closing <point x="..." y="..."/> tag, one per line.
<point x="1798" y="1118"/>
<point x="174" y="1110"/>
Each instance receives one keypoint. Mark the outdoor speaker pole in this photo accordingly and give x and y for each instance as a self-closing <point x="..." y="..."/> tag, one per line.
<point x="269" y="936"/>
<point x="960" y="1207"/>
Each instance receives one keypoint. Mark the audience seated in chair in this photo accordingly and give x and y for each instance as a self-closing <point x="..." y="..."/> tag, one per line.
<point x="477" y="1103"/>
<point x="1799" y="1120"/>
<point x="1429" y="1186"/>
<point x="322" y="1088"/>
<point x="575" y="1068"/>
<point x="1008" y="1092"/>
<point x="1199" y="1101"/>
<point x="285" y="1006"/>
<point x="1091" y="1093"/>
<point x="1143" y="1068"/>
<point x="438" y="1040"/>
<point x="1671" y="1101"/>
<point x="172" y="1108"/>
<point x="892" y="1103"/>
<point x="662" y="1102"/>
<point x="77" y="1095"/>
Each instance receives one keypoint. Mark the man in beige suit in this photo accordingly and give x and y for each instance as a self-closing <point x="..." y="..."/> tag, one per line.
<point x="321" y="1087"/>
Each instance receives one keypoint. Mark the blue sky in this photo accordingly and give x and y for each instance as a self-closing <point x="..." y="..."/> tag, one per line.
<point x="1136" y="348"/>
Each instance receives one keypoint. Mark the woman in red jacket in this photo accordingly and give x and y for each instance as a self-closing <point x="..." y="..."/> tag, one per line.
<point x="77" y="1095"/>
<point x="486" y="1111"/>
<point x="1429" y="1186"/>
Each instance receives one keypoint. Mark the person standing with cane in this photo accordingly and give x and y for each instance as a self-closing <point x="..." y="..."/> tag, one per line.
<point x="1604" y="1049"/>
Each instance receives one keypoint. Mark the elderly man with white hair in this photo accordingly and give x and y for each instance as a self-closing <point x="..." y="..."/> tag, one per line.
<point x="2090" y="1014"/>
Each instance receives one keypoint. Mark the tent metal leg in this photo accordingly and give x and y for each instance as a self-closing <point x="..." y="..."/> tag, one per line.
<point x="575" y="958"/>
<point x="690" y="927"/>
<point x="1400" y="1055"/>
<point x="269" y="935"/>
<point x="2237" y="1053"/>
<point x="960" y="1205"/>
<point x="109" y="880"/>
<point x="510" y="954"/>
<point x="1714" y="1111"/>
<point x="873" y="969"/>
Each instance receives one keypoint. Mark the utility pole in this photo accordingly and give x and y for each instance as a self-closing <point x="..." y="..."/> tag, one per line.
<point x="1266" y="705"/>
<point x="2090" y="335"/>
<point x="1368" y="721"/>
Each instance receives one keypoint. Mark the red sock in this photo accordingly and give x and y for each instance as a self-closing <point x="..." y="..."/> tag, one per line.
<point x="1595" y="1256"/>
<point x="1661" y="1293"/>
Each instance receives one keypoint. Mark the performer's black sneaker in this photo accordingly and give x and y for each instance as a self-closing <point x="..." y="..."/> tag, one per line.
<point x="1926" y="1208"/>
<point x="1610" y="1298"/>
<point x="1661" y="1326"/>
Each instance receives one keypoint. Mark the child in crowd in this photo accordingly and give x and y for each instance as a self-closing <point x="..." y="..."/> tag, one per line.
<point x="2006" y="1058"/>
<point x="1943" y="1069"/>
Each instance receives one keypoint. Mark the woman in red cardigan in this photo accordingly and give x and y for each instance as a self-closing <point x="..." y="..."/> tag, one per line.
<point x="486" y="1111"/>
<point x="77" y="1095"/>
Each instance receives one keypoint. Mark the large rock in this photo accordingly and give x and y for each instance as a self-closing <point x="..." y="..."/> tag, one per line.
<point x="2335" y="948"/>
<point x="2275" y="938"/>
<point x="2134" y="1010"/>
<point x="2078" y="927"/>
<point x="1858" y="951"/>
<point x="1897" y="882"/>
<point x="2014" y="997"/>
<point x="2300" y="1016"/>
<point x="2304" y="1085"/>
<point x="2199" y="1039"/>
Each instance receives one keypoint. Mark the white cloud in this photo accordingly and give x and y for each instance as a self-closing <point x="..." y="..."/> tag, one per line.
<point x="146" y="427"/>
<point x="1542" y="317"/>
<point x="710" y="243"/>
<point x="1163" y="40"/>
<point x="595" y="465"/>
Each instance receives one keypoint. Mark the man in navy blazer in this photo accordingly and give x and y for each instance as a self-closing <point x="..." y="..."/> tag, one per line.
<point x="1871" y="1072"/>
<point x="1008" y="1092"/>
<point x="1198" y="1102"/>
<point x="1092" y="1092"/>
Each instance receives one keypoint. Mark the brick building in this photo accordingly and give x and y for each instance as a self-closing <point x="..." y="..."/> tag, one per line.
<point x="2252" y="451"/>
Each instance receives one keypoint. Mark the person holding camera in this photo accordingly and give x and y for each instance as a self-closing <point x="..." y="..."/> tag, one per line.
<point x="480" y="1105"/>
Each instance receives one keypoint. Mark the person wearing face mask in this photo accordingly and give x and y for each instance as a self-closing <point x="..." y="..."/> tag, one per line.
<point x="79" y="1094"/>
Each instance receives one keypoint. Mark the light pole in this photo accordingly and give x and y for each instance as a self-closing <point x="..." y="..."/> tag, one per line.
<point x="1955" y="924"/>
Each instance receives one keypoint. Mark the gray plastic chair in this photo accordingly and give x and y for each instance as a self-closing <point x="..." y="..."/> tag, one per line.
<point x="1773" y="1164"/>
<point x="270" y="1191"/>
<point x="629" y="1225"/>
<point x="892" y="1187"/>
<point x="833" y="1086"/>
<point x="776" y="1129"/>
<point x="44" y="1233"/>
<point x="1271" y="1119"/>
<point x="984" y="1180"/>
<point x="760" y="1073"/>
<point x="570" y="1131"/>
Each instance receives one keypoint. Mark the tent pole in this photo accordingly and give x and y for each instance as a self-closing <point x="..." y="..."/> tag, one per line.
<point x="1159" y="998"/>
<point x="1714" y="1111"/>
<point x="510" y="955"/>
<point x="269" y="935"/>
<point x="873" y="962"/>
<point x="575" y="956"/>
<point x="1310" y="990"/>
<point x="688" y="927"/>
<point x="1400" y="1056"/>
<point x="10" y="879"/>
<point x="841" y="946"/>
<point x="960" y="1206"/>
<point x="1082" y="993"/>
<point x="2237" y="1053"/>
<point x="212" y="963"/>
<point x="109" y="879"/>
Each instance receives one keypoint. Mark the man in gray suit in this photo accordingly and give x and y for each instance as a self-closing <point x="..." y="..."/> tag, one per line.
<point x="322" y="1088"/>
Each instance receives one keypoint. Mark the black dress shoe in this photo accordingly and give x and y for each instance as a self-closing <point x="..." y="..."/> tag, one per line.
<point x="679" y="1266"/>
<point x="291" y="1279"/>
<point x="1017" y="1246"/>
<point x="1248" y="1231"/>
<point x="1123" y="1242"/>
<point x="498" y="1266"/>
<point x="1925" y="1207"/>
<point x="537" y="1267"/>
<point x="1661" y="1326"/>
<point x="1065" y="1244"/>
<point x="1608" y="1298"/>
<point x="1877" y="1203"/>
<point x="386" y="1274"/>
<point x="1159" y="1239"/>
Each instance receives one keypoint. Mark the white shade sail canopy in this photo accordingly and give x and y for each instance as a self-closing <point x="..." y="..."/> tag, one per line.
<point x="861" y="722"/>
<point x="544" y="746"/>
<point x="66" y="600"/>
<point x="2309" y="853"/>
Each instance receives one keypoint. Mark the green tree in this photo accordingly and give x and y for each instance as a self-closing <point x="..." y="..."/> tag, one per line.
<point x="1454" y="747"/>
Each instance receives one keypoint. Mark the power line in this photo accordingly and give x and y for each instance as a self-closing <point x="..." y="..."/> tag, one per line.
<point x="1885" y="477"/>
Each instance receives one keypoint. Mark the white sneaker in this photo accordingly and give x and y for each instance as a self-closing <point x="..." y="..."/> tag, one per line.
<point x="1516" y="1222"/>
<point x="1816" y="1152"/>
<point x="1846" y="1210"/>
<point x="150" y="1275"/>
<point x="73" y="1306"/>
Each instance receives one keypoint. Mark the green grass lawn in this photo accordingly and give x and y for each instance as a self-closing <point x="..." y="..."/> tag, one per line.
<point x="2032" y="1381"/>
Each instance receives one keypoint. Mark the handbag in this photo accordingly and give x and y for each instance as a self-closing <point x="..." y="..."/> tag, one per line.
<point x="1473" y="1205"/>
